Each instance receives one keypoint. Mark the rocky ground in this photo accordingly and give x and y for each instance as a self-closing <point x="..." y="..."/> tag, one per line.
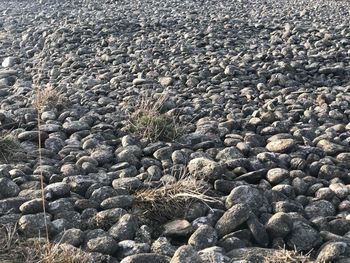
<point x="261" y="90"/>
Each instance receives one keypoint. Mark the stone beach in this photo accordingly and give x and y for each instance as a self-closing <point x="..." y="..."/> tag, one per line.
<point x="261" y="90"/>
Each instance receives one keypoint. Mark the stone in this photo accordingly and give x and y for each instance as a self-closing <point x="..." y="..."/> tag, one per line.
<point x="146" y="257"/>
<point x="331" y="251"/>
<point x="33" y="206"/>
<point x="320" y="208"/>
<point x="249" y="195"/>
<point x="281" y="146"/>
<point x="186" y="254"/>
<point x="303" y="237"/>
<point x="277" y="175"/>
<point x="165" y="81"/>
<point x="120" y="201"/>
<point x="232" y="218"/>
<point x="204" y="236"/>
<point x="163" y="246"/>
<point x="206" y="169"/>
<point x="229" y="153"/>
<point x="329" y="147"/>
<point x="105" y="245"/>
<point x="177" y="228"/>
<point x="58" y="190"/>
<point x="8" y="188"/>
<point x="124" y="229"/>
<point x="73" y="236"/>
<point x="279" y="225"/>
<point x="130" y="247"/>
<point x="34" y="225"/>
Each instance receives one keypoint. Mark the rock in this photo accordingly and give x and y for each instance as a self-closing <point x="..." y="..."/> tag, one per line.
<point x="177" y="228"/>
<point x="73" y="236"/>
<point x="206" y="169"/>
<point x="11" y="205"/>
<point x="8" y="188"/>
<point x="258" y="231"/>
<point x="130" y="247"/>
<point x="120" y="201"/>
<point x="205" y="236"/>
<point x="33" y="206"/>
<point x="331" y="251"/>
<point x="320" y="208"/>
<point x="163" y="246"/>
<point x="303" y="237"/>
<point x="281" y="146"/>
<point x="128" y="183"/>
<point x="232" y="218"/>
<point x="124" y="229"/>
<point x="58" y="190"/>
<point x="186" y="254"/>
<point x="10" y="62"/>
<point x="279" y="225"/>
<point x="329" y="147"/>
<point x="249" y="195"/>
<point x="213" y="254"/>
<point x="34" y="225"/>
<point x="75" y="126"/>
<point x="105" y="245"/>
<point x="165" y="81"/>
<point x="228" y="153"/>
<point x="277" y="175"/>
<point x="146" y="257"/>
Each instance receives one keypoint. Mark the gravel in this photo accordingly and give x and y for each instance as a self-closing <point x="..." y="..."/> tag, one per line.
<point x="258" y="89"/>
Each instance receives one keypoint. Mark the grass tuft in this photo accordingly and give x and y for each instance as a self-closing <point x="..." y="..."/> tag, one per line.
<point x="16" y="249"/>
<point x="148" y="122"/>
<point x="287" y="256"/>
<point x="9" y="145"/>
<point x="47" y="97"/>
<point x="171" y="200"/>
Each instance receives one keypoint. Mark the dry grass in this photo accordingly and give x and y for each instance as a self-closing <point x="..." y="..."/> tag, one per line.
<point x="287" y="256"/>
<point x="16" y="249"/>
<point x="171" y="200"/>
<point x="47" y="97"/>
<point x="148" y="122"/>
<point x="9" y="145"/>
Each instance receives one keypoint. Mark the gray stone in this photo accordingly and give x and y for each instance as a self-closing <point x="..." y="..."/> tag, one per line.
<point x="146" y="257"/>
<point x="205" y="236"/>
<point x="279" y="225"/>
<point x="186" y="254"/>
<point x="120" y="201"/>
<point x="320" y="208"/>
<point x="177" y="228"/>
<point x="124" y="229"/>
<point x="331" y="251"/>
<point x="206" y="169"/>
<point x="105" y="245"/>
<point x="232" y="218"/>
<point x="163" y="246"/>
<point x="73" y="236"/>
<point x="249" y="195"/>
<point x="8" y="188"/>
<point x="130" y="247"/>
<point x="34" y="225"/>
<point x="303" y="237"/>
<point x="281" y="146"/>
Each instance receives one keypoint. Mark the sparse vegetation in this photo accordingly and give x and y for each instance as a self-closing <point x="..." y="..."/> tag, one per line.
<point x="171" y="200"/>
<point x="17" y="249"/>
<point x="148" y="122"/>
<point x="287" y="256"/>
<point x="9" y="145"/>
<point x="47" y="97"/>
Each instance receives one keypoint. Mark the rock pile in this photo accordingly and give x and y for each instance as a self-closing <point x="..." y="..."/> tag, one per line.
<point x="262" y="89"/>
